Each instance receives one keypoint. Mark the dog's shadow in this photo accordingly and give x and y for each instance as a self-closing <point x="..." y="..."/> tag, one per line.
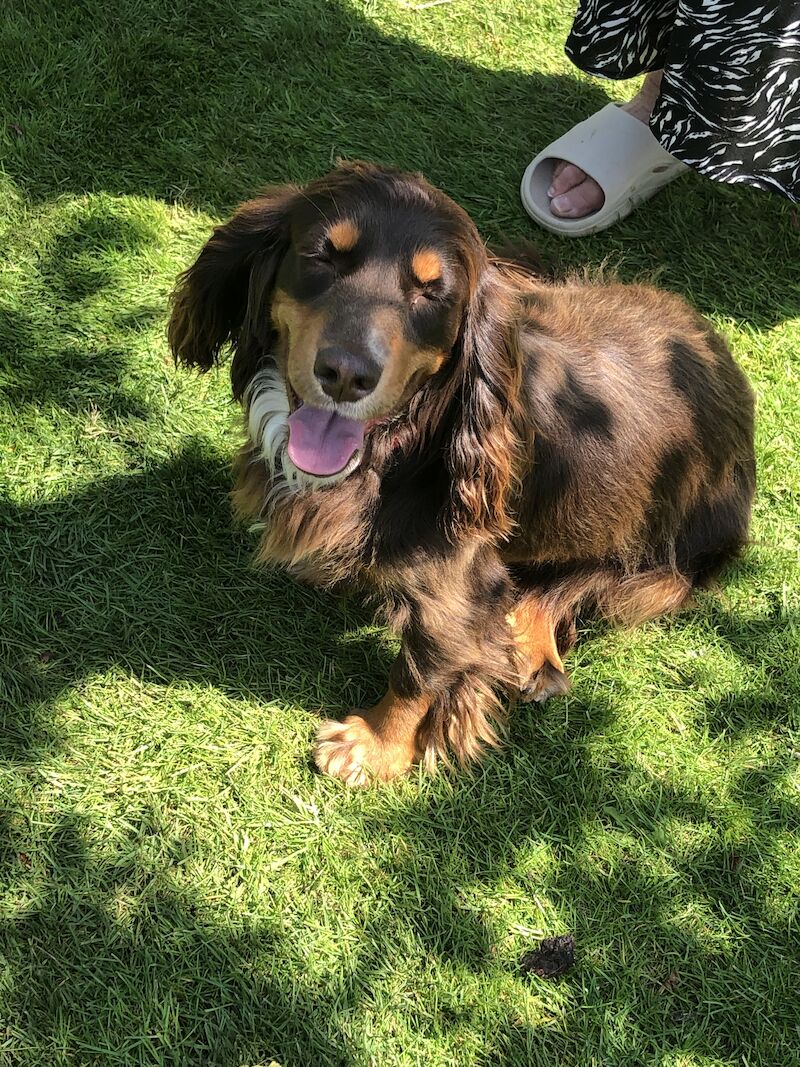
<point x="146" y="571"/>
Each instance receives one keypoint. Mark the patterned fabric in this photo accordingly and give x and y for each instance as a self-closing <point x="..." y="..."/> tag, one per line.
<point x="730" y="98"/>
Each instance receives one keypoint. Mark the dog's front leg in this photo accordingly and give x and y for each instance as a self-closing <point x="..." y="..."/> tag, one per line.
<point x="375" y="744"/>
<point x="456" y="647"/>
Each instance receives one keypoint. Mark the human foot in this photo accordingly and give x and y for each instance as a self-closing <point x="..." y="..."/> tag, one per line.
<point x="573" y="194"/>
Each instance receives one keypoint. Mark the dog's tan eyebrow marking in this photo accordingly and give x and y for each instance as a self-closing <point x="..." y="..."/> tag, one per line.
<point x="426" y="265"/>
<point x="344" y="235"/>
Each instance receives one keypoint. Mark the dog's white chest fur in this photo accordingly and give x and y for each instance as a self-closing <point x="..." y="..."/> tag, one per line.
<point x="268" y="412"/>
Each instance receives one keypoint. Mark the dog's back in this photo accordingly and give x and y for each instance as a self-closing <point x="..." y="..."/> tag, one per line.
<point x="641" y="448"/>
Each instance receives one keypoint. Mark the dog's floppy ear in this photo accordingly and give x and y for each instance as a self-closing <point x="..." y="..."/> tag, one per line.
<point x="236" y="266"/>
<point x="484" y="448"/>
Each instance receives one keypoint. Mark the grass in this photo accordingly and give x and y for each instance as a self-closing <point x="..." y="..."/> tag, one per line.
<point x="177" y="886"/>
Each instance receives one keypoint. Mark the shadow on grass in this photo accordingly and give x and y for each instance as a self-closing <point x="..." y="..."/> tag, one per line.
<point x="204" y="103"/>
<point x="126" y="968"/>
<point x="659" y="906"/>
<point x="682" y="941"/>
<point x="681" y="947"/>
<point x="146" y="571"/>
<point x="67" y="331"/>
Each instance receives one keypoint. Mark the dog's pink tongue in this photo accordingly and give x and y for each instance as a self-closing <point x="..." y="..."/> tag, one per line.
<point x="322" y="442"/>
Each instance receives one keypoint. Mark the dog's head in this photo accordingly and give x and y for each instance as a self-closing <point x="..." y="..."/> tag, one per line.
<point x="348" y="295"/>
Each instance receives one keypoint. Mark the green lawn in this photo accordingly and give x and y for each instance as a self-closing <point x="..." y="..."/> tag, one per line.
<point x="178" y="886"/>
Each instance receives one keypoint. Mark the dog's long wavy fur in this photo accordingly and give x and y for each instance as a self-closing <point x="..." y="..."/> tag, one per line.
<point x="586" y="444"/>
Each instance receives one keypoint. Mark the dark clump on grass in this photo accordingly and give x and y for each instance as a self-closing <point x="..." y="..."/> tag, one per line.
<point x="553" y="957"/>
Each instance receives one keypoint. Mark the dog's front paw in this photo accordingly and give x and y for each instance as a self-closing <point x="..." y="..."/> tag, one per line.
<point x="353" y="751"/>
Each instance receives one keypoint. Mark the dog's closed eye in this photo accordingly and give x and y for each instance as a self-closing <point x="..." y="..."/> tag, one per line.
<point x="322" y="252"/>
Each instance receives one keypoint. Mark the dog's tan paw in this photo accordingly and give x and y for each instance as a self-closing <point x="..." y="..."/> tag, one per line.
<point x="537" y="653"/>
<point x="353" y="751"/>
<point x="547" y="682"/>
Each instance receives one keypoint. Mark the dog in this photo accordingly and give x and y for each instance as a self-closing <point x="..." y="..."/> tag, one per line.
<point x="486" y="451"/>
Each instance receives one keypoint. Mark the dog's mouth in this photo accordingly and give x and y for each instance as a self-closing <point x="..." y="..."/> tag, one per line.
<point x="322" y="443"/>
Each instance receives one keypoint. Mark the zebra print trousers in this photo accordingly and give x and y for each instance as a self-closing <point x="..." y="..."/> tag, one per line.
<point x="730" y="96"/>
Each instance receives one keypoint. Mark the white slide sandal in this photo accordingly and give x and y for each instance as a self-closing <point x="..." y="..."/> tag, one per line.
<point x="622" y="156"/>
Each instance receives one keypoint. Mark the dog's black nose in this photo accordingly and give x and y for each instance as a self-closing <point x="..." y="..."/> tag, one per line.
<point x="345" y="375"/>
